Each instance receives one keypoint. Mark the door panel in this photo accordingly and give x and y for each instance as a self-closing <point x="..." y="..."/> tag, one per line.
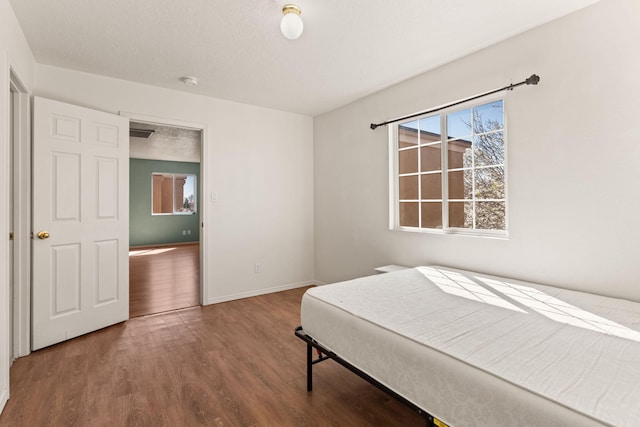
<point x="106" y="272"/>
<point x="66" y="186"/>
<point x="65" y="280"/>
<point x="81" y="199"/>
<point x="106" y="171"/>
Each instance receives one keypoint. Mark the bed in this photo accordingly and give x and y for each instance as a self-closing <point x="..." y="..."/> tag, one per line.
<point x="468" y="349"/>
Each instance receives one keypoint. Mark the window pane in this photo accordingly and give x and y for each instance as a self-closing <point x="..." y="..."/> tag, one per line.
<point x="459" y="124"/>
<point x="162" y="193"/>
<point x="430" y="129"/>
<point x="488" y="117"/>
<point x="408" y="161"/>
<point x="488" y="149"/>
<point x="409" y="214"/>
<point x="459" y="154"/>
<point x="431" y="215"/>
<point x="431" y="158"/>
<point x="178" y="190"/>
<point x="432" y="186"/>
<point x="408" y="134"/>
<point x="490" y="215"/>
<point x="431" y="125"/>
<point x="461" y="214"/>
<point x="185" y="193"/>
<point x="460" y="184"/>
<point x="490" y="183"/>
<point x="408" y="187"/>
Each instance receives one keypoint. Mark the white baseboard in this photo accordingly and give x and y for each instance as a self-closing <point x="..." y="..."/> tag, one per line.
<point x="4" y="397"/>
<point x="162" y="245"/>
<point x="256" y="293"/>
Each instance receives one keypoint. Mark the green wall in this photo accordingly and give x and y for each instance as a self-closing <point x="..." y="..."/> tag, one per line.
<point x="147" y="229"/>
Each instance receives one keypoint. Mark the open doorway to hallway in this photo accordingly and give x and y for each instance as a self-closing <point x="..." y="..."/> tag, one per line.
<point x="164" y="216"/>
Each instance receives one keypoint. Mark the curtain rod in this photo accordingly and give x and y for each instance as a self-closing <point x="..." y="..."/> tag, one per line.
<point x="533" y="80"/>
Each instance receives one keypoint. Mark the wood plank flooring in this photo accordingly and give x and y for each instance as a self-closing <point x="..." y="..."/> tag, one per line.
<point x="231" y="364"/>
<point x="163" y="278"/>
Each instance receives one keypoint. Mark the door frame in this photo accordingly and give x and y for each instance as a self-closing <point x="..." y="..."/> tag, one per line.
<point x="162" y="121"/>
<point x="22" y="217"/>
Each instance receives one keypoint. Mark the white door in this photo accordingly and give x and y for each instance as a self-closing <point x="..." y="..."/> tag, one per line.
<point x="80" y="221"/>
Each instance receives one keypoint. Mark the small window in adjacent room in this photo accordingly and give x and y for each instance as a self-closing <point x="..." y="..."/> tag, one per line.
<point x="173" y="193"/>
<point x="448" y="171"/>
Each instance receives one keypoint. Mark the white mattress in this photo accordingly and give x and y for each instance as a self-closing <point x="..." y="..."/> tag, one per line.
<point x="473" y="349"/>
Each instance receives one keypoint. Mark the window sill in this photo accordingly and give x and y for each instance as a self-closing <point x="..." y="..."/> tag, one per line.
<point x="490" y="234"/>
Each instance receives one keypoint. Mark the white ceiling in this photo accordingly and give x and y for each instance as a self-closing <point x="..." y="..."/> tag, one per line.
<point x="349" y="48"/>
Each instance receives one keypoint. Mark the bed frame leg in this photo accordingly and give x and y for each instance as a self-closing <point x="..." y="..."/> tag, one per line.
<point x="309" y="367"/>
<point x="324" y="354"/>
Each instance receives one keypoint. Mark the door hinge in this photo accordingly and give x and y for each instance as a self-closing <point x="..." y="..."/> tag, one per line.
<point x="11" y="235"/>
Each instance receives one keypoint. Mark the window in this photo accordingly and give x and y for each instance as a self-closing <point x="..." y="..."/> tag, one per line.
<point x="449" y="171"/>
<point x="173" y="193"/>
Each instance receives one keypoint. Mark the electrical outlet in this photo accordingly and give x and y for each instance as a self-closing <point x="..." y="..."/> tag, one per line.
<point x="189" y="232"/>
<point x="256" y="268"/>
<point x="184" y="232"/>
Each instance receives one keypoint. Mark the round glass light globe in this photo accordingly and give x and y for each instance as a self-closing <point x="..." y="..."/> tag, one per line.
<point x="291" y="26"/>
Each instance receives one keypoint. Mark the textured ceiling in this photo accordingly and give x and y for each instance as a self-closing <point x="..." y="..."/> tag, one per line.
<point x="349" y="49"/>
<point x="166" y="143"/>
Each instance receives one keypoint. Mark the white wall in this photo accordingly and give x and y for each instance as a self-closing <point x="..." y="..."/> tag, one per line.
<point x="573" y="159"/>
<point x="14" y="54"/>
<point x="259" y="163"/>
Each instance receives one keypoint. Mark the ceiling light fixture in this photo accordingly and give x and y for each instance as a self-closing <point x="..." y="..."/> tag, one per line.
<point x="189" y="81"/>
<point x="291" y="24"/>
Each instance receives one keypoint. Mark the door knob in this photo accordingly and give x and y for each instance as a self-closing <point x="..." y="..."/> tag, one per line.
<point x="43" y="234"/>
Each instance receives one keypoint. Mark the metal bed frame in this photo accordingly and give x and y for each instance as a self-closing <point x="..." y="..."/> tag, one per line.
<point x="324" y="354"/>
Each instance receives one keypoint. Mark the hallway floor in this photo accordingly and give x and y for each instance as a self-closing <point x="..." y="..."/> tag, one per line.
<point x="163" y="278"/>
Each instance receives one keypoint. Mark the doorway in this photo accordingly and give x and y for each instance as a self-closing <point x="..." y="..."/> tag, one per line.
<point x="165" y="211"/>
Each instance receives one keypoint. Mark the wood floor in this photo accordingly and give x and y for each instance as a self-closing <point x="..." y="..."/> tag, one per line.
<point x="163" y="278"/>
<point x="232" y="364"/>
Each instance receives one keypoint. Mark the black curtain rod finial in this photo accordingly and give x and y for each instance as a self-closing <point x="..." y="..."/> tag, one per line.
<point x="533" y="80"/>
<point x="373" y="126"/>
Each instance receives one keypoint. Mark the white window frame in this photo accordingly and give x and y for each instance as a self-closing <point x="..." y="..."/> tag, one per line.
<point x="394" y="186"/>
